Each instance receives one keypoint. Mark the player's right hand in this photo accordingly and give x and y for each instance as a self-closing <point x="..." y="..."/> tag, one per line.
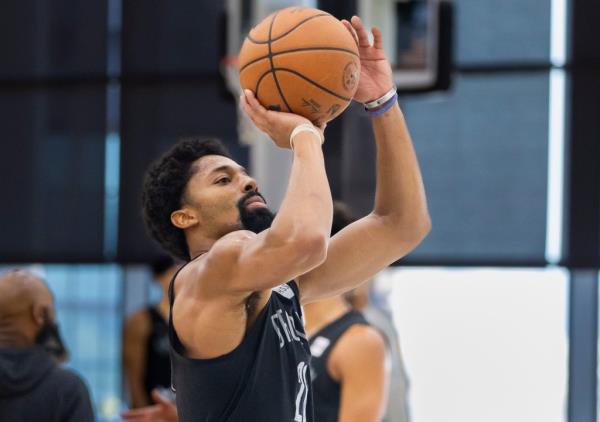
<point x="277" y="125"/>
<point x="163" y="411"/>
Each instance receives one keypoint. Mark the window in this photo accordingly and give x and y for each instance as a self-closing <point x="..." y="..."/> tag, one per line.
<point x="482" y="344"/>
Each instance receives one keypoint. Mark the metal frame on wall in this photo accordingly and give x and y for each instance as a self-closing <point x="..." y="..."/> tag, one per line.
<point x="582" y="213"/>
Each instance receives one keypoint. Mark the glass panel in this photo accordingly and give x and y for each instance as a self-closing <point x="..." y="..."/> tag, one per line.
<point x="181" y="36"/>
<point x="512" y="31"/>
<point x="90" y="321"/>
<point x="483" y="345"/>
<point x="52" y="171"/>
<point x="483" y="152"/>
<point x="52" y="38"/>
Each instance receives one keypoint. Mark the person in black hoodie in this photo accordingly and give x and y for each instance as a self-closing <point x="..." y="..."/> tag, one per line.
<point x="33" y="385"/>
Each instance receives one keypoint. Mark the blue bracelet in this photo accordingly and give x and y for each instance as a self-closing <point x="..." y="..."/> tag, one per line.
<point x="385" y="107"/>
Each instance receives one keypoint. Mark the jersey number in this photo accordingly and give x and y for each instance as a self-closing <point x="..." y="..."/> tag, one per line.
<point x="302" y="396"/>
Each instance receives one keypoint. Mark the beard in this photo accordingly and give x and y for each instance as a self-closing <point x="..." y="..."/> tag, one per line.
<point x="255" y="220"/>
<point x="50" y="339"/>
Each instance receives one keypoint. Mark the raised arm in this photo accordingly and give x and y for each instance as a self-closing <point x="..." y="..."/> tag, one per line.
<point x="297" y="239"/>
<point x="399" y="220"/>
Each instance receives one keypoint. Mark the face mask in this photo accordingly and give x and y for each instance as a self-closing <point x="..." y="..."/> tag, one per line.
<point x="49" y="338"/>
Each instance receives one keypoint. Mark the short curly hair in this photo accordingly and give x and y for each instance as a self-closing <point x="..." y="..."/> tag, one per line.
<point x="164" y="187"/>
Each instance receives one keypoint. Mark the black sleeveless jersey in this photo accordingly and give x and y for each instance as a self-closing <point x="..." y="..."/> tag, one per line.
<point x="266" y="378"/>
<point x="326" y="390"/>
<point x="158" y="367"/>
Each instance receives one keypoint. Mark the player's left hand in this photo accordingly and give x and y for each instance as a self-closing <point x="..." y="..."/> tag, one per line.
<point x="376" y="72"/>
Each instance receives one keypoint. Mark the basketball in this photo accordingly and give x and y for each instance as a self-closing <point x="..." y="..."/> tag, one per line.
<point x="301" y="60"/>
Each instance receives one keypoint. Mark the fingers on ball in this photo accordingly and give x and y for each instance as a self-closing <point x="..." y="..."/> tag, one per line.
<point x="377" y="38"/>
<point x="350" y="28"/>
<point x="253" y="102"/>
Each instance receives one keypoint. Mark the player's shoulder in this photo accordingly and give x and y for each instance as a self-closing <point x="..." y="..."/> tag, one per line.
<point x="360" y="340"/>
<point x="230" y="243"/>
<point x="228" y="247"/>
<point x="363" y="334"/>
<point x="360" y="347"/>
<point x="218" y="263"/>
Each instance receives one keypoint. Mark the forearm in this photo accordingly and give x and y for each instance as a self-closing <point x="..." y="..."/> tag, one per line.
<point x="139" y="398"/>
<point x="400" y="195"/>
<point x="137" y="394"/>
<point x="398" y="223"/>
<point x="307" y="206"/>
<point x="134" y="358"/>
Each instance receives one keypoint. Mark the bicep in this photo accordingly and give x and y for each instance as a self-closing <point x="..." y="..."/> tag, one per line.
<point x="355" y="255"/>
<point x="248" y="262"/>
<point x="364" y="378"/>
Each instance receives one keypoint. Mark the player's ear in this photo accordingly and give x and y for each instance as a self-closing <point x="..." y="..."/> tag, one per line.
<point x="184" y="218"/>
<point x="39" y="314"/>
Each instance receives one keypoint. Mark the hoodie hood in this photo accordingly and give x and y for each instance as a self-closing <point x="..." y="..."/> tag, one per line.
<point x="21" y="369"/>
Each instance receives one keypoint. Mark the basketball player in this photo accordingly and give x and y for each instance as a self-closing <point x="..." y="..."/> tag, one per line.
<point x="146" y="341"/>
<point x="375" y="312"/>
<point x="350" y="358"/>
<point x="238" y="347"/>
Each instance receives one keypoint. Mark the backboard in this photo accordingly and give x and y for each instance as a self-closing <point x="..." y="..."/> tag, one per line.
<point x="411" y="31"/>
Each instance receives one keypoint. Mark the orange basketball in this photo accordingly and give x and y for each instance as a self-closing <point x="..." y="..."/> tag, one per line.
<point x="303" y="61"/>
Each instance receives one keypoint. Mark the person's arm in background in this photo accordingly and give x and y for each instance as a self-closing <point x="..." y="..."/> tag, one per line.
<point x="135" y="335"/>
<point x="359" y="361"/>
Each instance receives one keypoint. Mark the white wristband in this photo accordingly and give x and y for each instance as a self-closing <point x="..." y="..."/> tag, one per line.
<point x="304" y="127"/>
<point x="381" y="100"/>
